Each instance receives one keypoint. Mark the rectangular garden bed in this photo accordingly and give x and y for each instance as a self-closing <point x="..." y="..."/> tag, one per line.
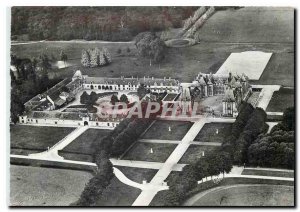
<point x="81" y="148"/>
<point x="160" y="130"/>
<point x="214" y="132"/>
<point x="142" y="152"/>
<point x="194" y="152"/>
<point x="35" y="137"/>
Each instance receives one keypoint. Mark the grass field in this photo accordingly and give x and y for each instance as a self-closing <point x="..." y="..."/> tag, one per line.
<point x="36" y="138"/>
<point x="118" y="194"/>
<point x="227" y="31"/>
<point x="160" y="198"/>
<point x="279" y="70"/>
<point x="141" y="152"/>
<point x="267" y="173"/>
<point x="208" y="132"/>
<point x="250" y="24"/>
<point x="281" y="100"/>
<point x="160" y="130"/>
<point x="34" y="186"/>
<point x="80" y="148"/>
<point x="194" y="152"/>
<point x="248" y="195"/>
<point x="137" y="174"/>
<point x="180" y="63"/>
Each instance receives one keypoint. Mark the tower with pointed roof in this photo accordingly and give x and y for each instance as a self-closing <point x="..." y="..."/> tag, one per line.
<point x="185" y="100"/>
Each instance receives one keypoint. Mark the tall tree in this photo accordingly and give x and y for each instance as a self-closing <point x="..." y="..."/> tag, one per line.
<point x="44" y="62"/>
<point x="289" y="118"/>
<point x="63" y="56"/>
<point x="124" y="98"/>
<point x="114" y="99"/>
<point x="94" y="57"/>
<point x="142" y="91"/>
<point x="85" y="58"/>
<point x="106" y="55"/>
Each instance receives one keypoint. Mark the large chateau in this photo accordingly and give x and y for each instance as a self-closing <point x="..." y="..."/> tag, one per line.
<point x="45" y="108"/>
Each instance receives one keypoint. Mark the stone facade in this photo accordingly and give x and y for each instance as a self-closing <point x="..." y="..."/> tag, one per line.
<point x="42" y="109"/>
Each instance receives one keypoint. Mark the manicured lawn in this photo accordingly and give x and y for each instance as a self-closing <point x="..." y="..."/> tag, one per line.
<point x="209" y="132"/>
<point x="267" y="173"/>
<point x="36" y="138"/>
<point x="81" y="148"/>
<point x="142" y="152"/>
<point x="160" y="130"/>
<point x="194" y="152"/>
<point x="137" y="174"/>
<point x="118" y="194"/>
<point x="280" y="70"/>
<point x="248" y="195"/>
<point x="281" y="100"/>
<point x="35" y="186"/>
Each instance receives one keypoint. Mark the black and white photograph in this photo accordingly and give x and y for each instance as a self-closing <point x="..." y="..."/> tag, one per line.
<point x="153" y="106"/>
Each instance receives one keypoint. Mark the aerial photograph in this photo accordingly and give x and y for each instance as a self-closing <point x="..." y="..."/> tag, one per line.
<point x="154" y="106"/>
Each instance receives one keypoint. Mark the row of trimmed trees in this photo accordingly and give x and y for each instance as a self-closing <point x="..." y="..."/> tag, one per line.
<point x="249" y="144"/>
<point x="112" y="145"/>
<point x="95" y="57"/>
<point x="214" y="163"/>
<point x="249" y="124"/>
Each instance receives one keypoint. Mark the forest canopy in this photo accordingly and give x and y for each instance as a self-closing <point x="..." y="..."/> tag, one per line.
<point x="93" y="23"/>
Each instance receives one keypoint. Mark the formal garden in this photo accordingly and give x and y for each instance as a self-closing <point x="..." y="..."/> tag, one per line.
<point x="37" y="138"/>
<point x="168" y="130"/>
<point x="119" y="194"/>
<point x="195" y="152"/>
<point x="81" y="148"/>
<point x="152" y="152"/>
<point x="214" y="132"/>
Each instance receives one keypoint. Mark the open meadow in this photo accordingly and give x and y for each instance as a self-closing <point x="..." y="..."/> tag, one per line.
<point x="247" y="195"/>
<point x="36" y="186"/>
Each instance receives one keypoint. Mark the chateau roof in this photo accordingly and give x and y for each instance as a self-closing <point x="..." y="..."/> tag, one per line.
<point x="132" y="81"/>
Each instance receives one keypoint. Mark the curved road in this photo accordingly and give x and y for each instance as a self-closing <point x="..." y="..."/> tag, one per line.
<point x="191" y="201"/>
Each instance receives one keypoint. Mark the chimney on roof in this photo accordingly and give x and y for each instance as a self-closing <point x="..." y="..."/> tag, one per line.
<point x="131" y="77"/>
<point x="144" y="78"/>
<point x="164" y="78"/>
<point x="169" y="78"/>
<point x="153" y="78"/>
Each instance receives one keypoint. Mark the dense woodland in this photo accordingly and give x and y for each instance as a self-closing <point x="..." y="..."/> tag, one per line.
<point x="32" y="80"/>
<point x="93" y="23"/>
